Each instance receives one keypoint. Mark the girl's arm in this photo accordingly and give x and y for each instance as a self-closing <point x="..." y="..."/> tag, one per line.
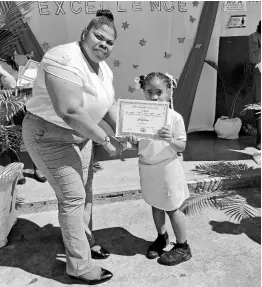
<point x="178" y="145"/>
<point x="178" y="142"/>
<point x="176" y="135"/>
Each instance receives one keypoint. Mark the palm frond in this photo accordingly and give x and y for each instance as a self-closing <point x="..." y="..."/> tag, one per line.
<point x="222" y="169"/>
<point x="11" y="102"/>
<point x="12" y="15"/>
<point x="238" y="208"/>
<point x="195" y="204"/>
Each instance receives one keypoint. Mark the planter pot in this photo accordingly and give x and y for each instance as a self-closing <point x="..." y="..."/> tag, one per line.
<point x="228" y="128"/>
<point x="8" y="191"/>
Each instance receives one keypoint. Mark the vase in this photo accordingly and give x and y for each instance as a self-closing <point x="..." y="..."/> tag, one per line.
<point x="228" y="128"/>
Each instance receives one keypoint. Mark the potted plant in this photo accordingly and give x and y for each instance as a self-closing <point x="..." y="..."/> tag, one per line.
<point x="11" y="169"/>
<point x="11" y="102"/>
<point x="228" y="126"/>
<point x="9" y="176"/>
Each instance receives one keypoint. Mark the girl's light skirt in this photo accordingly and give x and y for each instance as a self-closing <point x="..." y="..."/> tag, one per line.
<point x="163" y="184"/>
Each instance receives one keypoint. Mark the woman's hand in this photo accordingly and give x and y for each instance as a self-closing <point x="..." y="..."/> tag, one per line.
<point x="131" y="139"/>
<point x="112" y="151"/>
<point x="165" y="134"/>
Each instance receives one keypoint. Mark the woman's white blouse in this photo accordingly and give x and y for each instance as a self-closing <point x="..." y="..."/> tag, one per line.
<point x="98" y="95"/>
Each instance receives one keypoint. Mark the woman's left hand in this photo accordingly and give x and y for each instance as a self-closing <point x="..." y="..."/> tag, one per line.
<point x="165" y="133"/>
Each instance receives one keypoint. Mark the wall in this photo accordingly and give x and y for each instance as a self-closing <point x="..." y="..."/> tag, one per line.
<point x="253" y="14"/>
<point x="233" y="52"/>
<point x="152" y="36"/>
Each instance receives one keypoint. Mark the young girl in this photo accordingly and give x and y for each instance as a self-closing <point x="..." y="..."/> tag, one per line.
<point x="162" y="178"/>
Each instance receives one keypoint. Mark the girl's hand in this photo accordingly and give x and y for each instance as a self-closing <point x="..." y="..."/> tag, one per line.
<point x="165" y="133"/>
<point x="132" y="139"/>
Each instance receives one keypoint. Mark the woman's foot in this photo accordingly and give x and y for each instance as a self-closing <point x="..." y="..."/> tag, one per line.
<point x="98" y="252"/>
<point x="96" y="276"/>
<point x="156" y="248"/>
<point x="39" y="176"/>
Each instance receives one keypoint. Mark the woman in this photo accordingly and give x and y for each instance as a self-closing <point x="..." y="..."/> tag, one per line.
<point x="255" y="59"/>
<point x="72" y="94"/>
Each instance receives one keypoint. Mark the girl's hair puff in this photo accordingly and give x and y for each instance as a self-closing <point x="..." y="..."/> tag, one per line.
<point x="168" y="81"/>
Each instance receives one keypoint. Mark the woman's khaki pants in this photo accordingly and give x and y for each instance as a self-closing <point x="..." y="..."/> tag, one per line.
<point x="67" y="162"/>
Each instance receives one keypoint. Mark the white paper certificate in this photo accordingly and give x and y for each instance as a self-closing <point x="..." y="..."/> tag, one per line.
<point x="141" y="118"/>
<point x="30" y="70"/>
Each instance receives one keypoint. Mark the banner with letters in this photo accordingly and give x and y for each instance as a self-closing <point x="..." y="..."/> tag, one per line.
<point x="152" y="36"/>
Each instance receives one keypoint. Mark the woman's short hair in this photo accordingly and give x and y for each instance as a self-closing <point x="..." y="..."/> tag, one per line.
<point x="103" y="17"/>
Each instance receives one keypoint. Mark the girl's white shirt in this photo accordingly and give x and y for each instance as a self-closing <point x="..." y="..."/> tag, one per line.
<point x="98" y="95"/>
<point x="156" y="151"/>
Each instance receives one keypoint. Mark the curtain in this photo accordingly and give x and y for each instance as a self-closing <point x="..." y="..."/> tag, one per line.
<point x="189" y="79"/>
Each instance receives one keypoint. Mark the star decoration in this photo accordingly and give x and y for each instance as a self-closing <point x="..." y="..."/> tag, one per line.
<point x="116" y="63"/>
<point x="181" y="40"/>
<point x="167" y="56"/>
<point x="195" y="3"/>
<point x="142" y="42"/>
<point x="131" y="89"/>
<point x="192" y="19"/>
<point x="135" y="66"/>
<point x="198" y="46"/>
<point x="45" y="46"/>
<point x="125" y="25"/>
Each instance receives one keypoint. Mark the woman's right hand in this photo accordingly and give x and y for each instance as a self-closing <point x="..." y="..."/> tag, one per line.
<point x="110" y="149"/>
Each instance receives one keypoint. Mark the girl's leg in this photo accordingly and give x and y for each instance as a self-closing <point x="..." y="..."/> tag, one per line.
<point x="159" y="217"/>
<point x="181" y="251"/>
<point x="156" y="248"/>
<point x="177" y="220"/>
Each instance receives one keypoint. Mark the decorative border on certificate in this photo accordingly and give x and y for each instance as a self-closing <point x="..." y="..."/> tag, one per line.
<point x="140" y="118"/>
<point x="30" y="70"/>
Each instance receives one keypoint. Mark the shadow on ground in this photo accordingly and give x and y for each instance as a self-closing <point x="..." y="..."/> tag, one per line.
<point x="250" y="226"/>
<point x="40" y="250"/>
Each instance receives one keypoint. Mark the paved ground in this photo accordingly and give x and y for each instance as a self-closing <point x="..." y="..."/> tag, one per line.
<point x="225" y="253"/>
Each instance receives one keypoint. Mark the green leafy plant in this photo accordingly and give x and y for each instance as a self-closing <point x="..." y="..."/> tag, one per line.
<point x="237" y="93"/>
<point x="11" y="102"/>
<point x="12" y="15"/>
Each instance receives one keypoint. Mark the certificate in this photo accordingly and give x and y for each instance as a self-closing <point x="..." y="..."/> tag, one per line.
<point x="23" y="82"/>
<point x="30" y="71"/>
<point x="141" y="118"/>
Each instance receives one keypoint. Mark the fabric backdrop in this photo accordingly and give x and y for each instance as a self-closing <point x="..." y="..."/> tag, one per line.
<point x="152" y="36"/>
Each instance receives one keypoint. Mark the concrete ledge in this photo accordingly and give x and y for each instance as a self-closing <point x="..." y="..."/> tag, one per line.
<point x="246" y="179"/>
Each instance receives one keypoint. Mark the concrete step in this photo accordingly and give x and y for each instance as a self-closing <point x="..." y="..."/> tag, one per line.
<point x="119" y="181"/>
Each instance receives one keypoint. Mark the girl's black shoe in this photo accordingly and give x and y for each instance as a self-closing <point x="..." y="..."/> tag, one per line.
<point x="156" y="249"/>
